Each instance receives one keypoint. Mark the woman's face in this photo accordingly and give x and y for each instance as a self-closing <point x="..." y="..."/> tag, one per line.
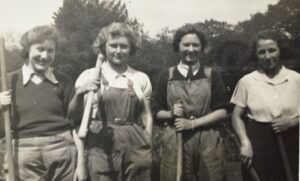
<point x="267" y="52"/>
<point x="41" y="55"/>
<point x="189" y="49"/>
<point x="117" y="50"/>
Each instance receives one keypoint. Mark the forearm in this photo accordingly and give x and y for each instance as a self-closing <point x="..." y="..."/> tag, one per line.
<point x="149" y="124"/>
<point x="147" y="116"/>
<point x="239" y="127"/>
<point x="210" y="118"/>
<point x="164" y="115"/>
<point x="75" y="108"/>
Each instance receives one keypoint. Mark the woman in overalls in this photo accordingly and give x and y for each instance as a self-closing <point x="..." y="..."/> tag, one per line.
<point x="119" y="140"/>
<point x="192" y="99"/>
<point x="270" y="98"/>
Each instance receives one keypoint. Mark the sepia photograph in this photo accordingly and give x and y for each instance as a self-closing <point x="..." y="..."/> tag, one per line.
<point x="149" y="90"/>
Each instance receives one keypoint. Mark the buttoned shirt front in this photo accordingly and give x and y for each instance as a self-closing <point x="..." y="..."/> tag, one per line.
<point x="268" y="98"/>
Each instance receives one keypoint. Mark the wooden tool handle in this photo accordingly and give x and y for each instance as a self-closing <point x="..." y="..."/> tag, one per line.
<point x="7" y="121"/>
<point x="179" y="156"/>
<point x="88" y="106"/>
<point x="81" y="173"/>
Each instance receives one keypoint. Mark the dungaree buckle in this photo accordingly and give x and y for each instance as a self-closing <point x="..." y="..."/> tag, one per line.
<point x="95" y="126"/>
<point x="119" y="121"/>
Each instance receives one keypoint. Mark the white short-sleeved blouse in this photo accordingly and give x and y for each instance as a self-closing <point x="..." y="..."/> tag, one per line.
<point x="268" y="98"/>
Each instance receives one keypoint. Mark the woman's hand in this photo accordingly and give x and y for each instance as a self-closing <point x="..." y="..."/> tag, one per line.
<point x="182" y="124"/>
<point x="78" y="176"/>
<point x="246" y="153"/>
<point x="90" y="85"/>
<point x="283" y="124"/>
<point x="177" y="110"/>
<point x="5" y="99"/>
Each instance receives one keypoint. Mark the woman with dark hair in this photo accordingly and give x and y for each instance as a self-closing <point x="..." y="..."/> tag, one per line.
<point x="119" y="139"/>
<point x="40" y="95"/>
<point x="270" y="98"/>
<point x="192" y="99"/>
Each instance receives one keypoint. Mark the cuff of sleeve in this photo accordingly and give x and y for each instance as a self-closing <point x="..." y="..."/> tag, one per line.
<point x="238" y="103"/>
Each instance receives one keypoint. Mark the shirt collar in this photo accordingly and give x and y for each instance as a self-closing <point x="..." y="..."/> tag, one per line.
<point x="280" y="78"/>
<point x="183" y="68"/>
<point x="27" y="73"/>
<point x="111" y="74"/>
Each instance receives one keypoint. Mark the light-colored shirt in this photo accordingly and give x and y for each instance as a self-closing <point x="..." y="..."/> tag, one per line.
<point x="268" y="98"/>
<point x="28" y="74"/>
<point x="141" y="82"/>
<point x="183" y="68"/>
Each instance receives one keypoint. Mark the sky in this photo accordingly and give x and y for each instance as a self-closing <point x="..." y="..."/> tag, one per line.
<point x="21" y="15"/>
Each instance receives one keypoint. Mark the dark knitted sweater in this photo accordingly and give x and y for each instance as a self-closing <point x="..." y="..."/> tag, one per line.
<point x="40" y="109"/>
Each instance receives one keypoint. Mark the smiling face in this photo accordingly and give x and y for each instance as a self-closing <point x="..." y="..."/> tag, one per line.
<point x="117" y="50"/>
<point x="41" y="55"/>
<point x="267" y="52"/>
<point x="189" y="49"/>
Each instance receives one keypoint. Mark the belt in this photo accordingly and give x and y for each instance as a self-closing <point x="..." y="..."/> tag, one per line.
<point x="97" y="125"/>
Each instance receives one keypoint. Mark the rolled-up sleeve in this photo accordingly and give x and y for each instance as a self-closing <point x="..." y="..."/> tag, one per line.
<point x="146" y="88"/>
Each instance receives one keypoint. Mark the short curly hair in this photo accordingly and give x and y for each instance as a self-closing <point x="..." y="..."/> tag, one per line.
<point x="37" y="35"/>
<point x="188" y="29"/>
<point x="113" y="30"/>
<point x="268" y="34"/>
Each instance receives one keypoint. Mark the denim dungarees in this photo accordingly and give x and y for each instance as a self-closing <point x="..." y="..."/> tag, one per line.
<point x="203" y="157"/>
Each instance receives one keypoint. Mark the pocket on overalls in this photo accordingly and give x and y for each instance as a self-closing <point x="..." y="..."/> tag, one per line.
<point x="102" y="162"/>
<point x="169" y="147"/>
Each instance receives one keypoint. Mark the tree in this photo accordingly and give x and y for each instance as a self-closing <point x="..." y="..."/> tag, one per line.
<point x="79" y="21"/>
<point x="283" y="17"/>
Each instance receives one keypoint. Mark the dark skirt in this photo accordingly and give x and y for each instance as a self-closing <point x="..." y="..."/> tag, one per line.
<point x="266" y="155"/>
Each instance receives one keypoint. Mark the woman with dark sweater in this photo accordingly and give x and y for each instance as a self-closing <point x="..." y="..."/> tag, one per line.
<point x="39" y="98"/>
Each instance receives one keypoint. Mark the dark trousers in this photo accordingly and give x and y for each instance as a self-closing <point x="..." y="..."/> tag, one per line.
<point x="266" y="156"/>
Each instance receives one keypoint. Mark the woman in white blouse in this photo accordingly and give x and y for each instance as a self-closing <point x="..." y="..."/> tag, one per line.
<point x="267" y="107"/>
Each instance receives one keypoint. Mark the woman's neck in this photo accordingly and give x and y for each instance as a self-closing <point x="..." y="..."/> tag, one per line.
<point x="190" y="63"/>
<point x="271" y="73"/>
<point x="119" y="68"/>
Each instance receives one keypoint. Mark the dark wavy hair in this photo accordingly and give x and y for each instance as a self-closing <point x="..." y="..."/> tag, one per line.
<point x="37" y="35"/>
<point x="188" y="29"/>
<point x="268" y="34"/>
<point x="113" y="30"/>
